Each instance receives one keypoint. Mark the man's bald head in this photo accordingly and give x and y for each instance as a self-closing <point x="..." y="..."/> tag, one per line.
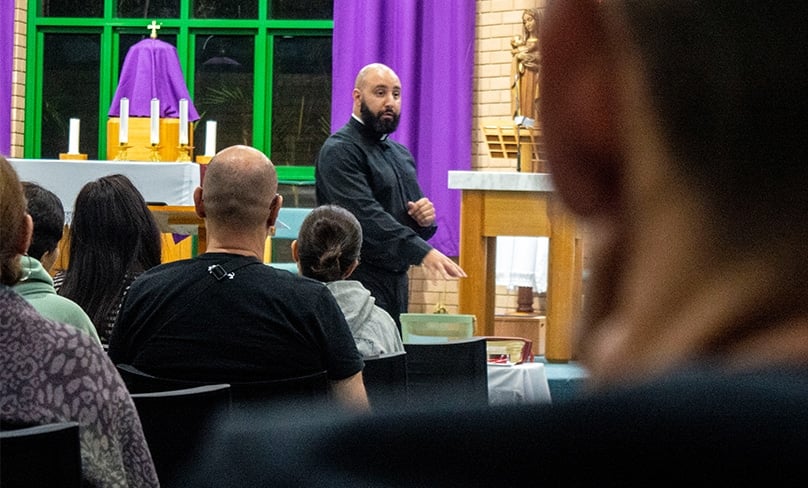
<point x="239" y="188"/>
<point x="380" y="68"/>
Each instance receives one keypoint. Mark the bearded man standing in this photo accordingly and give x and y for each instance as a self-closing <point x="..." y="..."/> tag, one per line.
<point x="359" y="168"/>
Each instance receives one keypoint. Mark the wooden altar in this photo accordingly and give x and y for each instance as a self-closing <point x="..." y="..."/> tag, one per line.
<point x="518" y="204"/>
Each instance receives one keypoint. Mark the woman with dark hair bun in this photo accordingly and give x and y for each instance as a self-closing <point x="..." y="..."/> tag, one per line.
<point x="113" y="239"/>
<point x="327" y="250"/>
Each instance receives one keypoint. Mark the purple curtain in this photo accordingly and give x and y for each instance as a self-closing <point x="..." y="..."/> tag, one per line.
<point x="6" y="66"/>
<point x="430" y="45"/>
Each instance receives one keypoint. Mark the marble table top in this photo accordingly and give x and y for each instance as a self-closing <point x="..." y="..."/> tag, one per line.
<point x="500" y="180"/>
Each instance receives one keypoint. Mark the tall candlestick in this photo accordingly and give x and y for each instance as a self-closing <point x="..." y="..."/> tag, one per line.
<point x="154" y="131"/>
<point x="183" y="121"/>
<point x="73" y="143"/>
<point x="123" y="128"/>
<point x="210" y="138"/>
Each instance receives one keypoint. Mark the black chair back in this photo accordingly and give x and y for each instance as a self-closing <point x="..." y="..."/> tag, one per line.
<point x="312" y="387"/>
<point x="451" y="373"/>
<point x="41" y="456"/>
<point x="176" y="424"/>
<point x="385" y="378"/>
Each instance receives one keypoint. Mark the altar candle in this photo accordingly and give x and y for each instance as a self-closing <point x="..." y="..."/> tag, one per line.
<point x="210" y="138"/>
<point x="73" y="143"/>
<point x="183" y="121"/>
<point x="154" y="131"/>
<point x="123" y="129"/>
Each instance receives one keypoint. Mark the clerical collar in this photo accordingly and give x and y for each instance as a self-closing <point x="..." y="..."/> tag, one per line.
<point x="368" y="130"/>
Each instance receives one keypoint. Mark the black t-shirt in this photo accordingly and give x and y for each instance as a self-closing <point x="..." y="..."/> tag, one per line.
<point x="262" y="324"/>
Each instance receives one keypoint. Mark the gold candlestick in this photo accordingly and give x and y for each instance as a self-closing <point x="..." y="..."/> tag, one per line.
<point x="184" y="153"/>
<point x="155" y="152"/>
<point x="122" y="152"/>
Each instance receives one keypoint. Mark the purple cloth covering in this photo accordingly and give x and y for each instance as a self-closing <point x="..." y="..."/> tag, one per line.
<point x="6" y="67"/>
<point x="151" y="69"/>
<point x="430" y="45"/>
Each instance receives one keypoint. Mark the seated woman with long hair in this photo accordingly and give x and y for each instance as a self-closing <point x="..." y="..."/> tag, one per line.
<point x="52" y="372"/>
<point x="113" y="239"/>
<point x="327" y="250"/>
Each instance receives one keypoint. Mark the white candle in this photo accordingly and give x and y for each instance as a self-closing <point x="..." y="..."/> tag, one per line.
<point x="210" y="138"/>
<point x="154" y="131"/>
<point x="73" y="144"/>
<point x="183" y="121"/>
<point x="123" y="128"/>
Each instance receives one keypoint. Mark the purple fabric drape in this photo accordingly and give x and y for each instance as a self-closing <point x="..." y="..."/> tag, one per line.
<point x="151" y="69"/>
<point x="430" y="45"/>
<point x="6" y="66"/>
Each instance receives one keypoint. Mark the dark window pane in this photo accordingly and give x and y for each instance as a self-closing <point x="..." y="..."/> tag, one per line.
<point x="223" y="89"/>
<point x="297" y="9"/>
<point x="149" y="9"/>
<point x="225" y="9"/>
<point x="72" y="8"/>
<point x="301" y="99"/>
<point x="70" y="89"/>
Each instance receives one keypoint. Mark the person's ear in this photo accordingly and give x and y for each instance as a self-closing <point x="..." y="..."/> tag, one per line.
<point x="578" y="97"/>
<point x="351" y="269"/>
<point x="49" y="258"/>
<point x="357" y="100"/>
<point x="26" y="236"/>
<point x="199" y="202"/>
<point x="295" y="255"/>
<point x="274" y="208"/>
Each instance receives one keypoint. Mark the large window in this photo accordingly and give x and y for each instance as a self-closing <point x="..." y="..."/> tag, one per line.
<point x="260" y="68"/>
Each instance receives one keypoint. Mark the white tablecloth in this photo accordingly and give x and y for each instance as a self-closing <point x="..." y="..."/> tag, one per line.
<point x="521" y="383"/>
<point x="171" y="183"/>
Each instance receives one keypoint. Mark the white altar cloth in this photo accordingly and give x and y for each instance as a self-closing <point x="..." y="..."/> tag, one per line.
<point x="170" y="183"/>
<point x="517" y="384"/>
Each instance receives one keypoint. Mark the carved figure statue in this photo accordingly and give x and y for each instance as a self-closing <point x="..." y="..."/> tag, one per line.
<point x="526" y="65"/>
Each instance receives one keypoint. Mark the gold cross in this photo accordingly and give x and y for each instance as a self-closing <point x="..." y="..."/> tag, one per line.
<point x="153" y="27"/>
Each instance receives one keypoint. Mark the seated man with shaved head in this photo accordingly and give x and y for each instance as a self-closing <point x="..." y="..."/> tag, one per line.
<point x="223" y="316"/>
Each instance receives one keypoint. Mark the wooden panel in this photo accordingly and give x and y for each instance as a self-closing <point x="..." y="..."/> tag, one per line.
<point x="514" y="213"/>
<point x="529" y="327"/>
<point x="139" y="132"/>
<point x="477" y="259"/>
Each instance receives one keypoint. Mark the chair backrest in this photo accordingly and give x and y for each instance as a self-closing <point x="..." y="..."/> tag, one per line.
<point x="427" y="328"/>
<point x="138" y="381"/>
<point x="176" y="424"/>
<point x="385" y="378"/>
<point x="454" y="372"/>
<point x="41" y="456"/>
<point x="309" y="387"/>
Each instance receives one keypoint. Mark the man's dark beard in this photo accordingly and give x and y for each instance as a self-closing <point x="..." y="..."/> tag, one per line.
<point x="375" y="122"/>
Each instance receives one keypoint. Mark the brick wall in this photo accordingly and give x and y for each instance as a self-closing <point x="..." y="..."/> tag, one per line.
<point x="497" y="22"/>
<point x="18" y="78"/>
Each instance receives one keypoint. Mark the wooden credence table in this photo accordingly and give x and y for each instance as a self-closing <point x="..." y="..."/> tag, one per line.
<point x="517" y="204"/>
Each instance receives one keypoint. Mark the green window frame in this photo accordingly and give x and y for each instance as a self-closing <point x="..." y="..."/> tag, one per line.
<point x="186" y="29"/>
